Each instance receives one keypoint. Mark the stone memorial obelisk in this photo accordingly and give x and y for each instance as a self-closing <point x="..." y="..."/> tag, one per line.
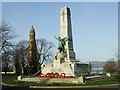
<point x="65" y="60"/>
<point x="66" y="31"/>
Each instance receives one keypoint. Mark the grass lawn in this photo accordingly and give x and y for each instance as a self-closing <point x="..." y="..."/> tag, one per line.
<point x="10" y="74"/>
<point x="101" y="82"/>
<point x="104" y="82"/>
<point x="15" y="82"/>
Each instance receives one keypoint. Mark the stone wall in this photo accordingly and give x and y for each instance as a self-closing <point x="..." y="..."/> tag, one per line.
<point x="54" y="80"/>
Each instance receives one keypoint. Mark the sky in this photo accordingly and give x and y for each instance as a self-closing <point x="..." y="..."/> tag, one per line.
<point x="0" y="12"/>
<point x="94" y="25"/>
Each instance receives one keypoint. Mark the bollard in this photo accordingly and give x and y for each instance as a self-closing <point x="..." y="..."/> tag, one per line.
<point x="19" y="78"/>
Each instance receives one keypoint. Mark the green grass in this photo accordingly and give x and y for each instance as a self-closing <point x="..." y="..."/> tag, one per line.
<point x="15" y="82"/>
<point x="104" y="82"/>
<point x="101" y="82"/>
<point x="13" y="74"/>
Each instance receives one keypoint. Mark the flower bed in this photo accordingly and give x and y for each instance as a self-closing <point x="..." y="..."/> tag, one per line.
<point x="54" y="75"/>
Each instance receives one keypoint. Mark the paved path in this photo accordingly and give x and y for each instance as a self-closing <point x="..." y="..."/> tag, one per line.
<point x="109" y="87"/>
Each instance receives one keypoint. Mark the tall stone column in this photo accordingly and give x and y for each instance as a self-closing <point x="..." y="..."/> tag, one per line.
<point x="66" y="31"/>
<point x="32" y="53"/>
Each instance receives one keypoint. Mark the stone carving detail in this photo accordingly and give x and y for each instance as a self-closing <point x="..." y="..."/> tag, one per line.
<point x="61" y="44"/>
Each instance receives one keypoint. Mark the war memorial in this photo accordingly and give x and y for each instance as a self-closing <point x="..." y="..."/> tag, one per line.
<point x="64" y="62"/>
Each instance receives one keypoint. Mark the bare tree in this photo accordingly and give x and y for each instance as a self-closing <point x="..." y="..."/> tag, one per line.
<point x="19" y="53"/>
<point x="44" y="51"/>
<point x="110" y="66"/>
<point x="6" y="35"/>
<point x="6" y="61"/>
<point x="117" y="55"/>
<point x="16" y="62"/>
<point x="22" y="48"/>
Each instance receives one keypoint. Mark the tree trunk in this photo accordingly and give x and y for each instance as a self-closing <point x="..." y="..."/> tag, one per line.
<point x="6" y="69"/>
<point x="14" y="70"/>
<point x="23" y="71"/>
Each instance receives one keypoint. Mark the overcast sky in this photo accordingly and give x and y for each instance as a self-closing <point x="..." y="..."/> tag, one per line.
<point x="94" y="25"/>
